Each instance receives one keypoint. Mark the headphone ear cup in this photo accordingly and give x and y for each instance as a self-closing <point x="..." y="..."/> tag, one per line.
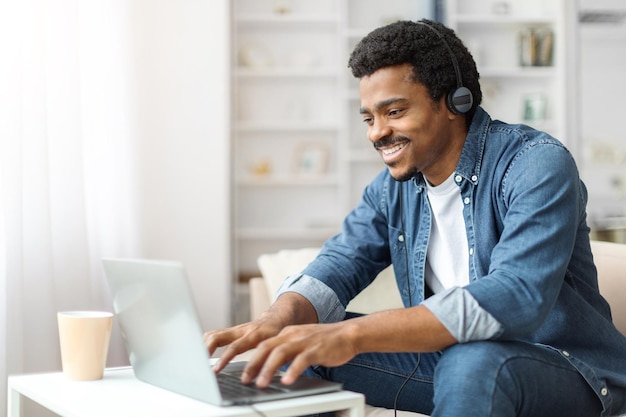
<point x="460" y="100"/>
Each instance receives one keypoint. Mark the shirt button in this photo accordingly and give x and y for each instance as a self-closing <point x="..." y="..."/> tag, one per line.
<point x="471" y="251"/>
<point x="604" y="391"/>
<point x="566" y="353"/>
<point x="401" y="238"/>
<point x="466" y="200"/>
<point x="474" y="177"/>
<point x="458" y="178"/>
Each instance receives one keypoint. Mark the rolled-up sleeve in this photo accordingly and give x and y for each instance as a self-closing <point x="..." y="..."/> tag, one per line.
<point x="328" y="307"/>
<point x="461" y="314"/>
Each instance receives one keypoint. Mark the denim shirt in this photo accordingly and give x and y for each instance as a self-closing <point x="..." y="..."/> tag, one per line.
<point x="532" y="276"/>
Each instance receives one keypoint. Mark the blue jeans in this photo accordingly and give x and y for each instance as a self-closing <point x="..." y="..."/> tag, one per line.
<point x="475" y="379"/>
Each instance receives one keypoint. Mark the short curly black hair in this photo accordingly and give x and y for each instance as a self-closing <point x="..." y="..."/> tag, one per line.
<point x="414" y="43"/>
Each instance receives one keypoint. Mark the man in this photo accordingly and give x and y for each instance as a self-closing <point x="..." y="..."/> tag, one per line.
<point x="485" y="225"/>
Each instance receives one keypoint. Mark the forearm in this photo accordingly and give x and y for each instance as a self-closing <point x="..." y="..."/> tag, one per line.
<point x="291" y="308"/>
<point x="413" y="329"/>
<point x="403" y="330"/>
<point x="326" y="305"/>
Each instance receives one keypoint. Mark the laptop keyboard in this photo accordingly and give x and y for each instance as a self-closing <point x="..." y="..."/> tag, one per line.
<point x="231" y="385"/>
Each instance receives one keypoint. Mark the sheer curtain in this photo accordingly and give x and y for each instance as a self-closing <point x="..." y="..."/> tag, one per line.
<point x="66" y="177"/>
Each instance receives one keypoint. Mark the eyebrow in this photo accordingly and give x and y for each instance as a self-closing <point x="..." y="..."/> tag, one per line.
<point x="383" y="104"/>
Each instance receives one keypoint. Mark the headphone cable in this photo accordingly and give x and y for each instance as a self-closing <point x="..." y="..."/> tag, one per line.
<point x="408" y="378"/>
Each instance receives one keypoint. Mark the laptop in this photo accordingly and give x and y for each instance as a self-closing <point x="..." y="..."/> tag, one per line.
<point x="155" y="311"/>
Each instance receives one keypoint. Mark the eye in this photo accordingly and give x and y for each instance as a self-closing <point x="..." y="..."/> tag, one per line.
<point x="367" y="119"/>
<point x="394" y="112"/>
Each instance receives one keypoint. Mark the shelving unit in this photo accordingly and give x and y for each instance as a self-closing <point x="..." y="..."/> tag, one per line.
<point x="285" y="59"/>
<point x="300" y="154"/>
<point x="492" y="32"/>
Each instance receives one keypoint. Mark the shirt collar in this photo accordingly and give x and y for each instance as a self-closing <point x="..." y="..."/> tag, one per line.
<point x="472" y="153"/>
<point x="474" y="147"/>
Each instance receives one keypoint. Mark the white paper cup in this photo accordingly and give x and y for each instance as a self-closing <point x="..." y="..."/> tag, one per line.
<point x="84" y="338"/>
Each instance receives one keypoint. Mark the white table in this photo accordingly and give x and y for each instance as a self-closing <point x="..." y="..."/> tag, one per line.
<point x="120" y="394"/>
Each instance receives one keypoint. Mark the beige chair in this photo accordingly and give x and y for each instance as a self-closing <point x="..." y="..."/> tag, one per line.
<point x="380" y="295"/>
<point x="610" y="259"/>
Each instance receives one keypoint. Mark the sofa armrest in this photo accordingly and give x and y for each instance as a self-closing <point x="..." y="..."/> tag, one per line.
<point x="260" y="299"/>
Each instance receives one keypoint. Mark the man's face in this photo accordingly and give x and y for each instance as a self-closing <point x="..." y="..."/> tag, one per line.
<point x="411" y="133"/>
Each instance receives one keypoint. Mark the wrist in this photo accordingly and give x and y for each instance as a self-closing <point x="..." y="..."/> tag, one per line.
<point x="292" y="308"/>
<point x="353" y="333"/>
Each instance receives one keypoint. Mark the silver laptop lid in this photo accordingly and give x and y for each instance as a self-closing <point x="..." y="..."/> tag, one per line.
<point x="157" y="316"/>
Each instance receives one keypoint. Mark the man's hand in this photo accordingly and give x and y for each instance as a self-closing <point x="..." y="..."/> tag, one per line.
<point x="302" y="346"/>
<point x="289" y="309"/>
<point x="286" y="334"/>
<point x="413" y="329"/>
<point x="240" y="339"/>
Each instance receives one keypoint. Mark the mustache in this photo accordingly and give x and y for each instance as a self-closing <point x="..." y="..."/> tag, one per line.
<point x="389" y="141"/>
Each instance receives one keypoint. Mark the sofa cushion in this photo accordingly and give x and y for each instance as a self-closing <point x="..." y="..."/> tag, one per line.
<point x="382" y="294"/>
<point x="610" y="260"/>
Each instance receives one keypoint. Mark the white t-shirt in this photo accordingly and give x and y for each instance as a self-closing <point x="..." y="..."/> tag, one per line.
<point x="447" y="257"/>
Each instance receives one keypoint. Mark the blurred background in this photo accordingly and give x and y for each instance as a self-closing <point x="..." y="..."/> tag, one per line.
<point x="211" y="132"/>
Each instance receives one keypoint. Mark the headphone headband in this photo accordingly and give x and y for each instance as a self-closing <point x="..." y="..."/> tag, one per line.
<point x="460" y="100"/>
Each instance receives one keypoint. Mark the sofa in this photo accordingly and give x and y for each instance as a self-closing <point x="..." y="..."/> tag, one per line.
<point x="610" y="259"/>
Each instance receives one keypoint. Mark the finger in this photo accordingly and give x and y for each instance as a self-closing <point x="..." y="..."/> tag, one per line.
<point x="230" y="338"/>
<point x="280" y="355"/>
<point x="259" y="367"/>
<point x="219" y="338"/>
<point x="210" y="342"/>
<point x="255" y="363"/>
<point x="298" y="365"/>
<point x="229" y="354"/>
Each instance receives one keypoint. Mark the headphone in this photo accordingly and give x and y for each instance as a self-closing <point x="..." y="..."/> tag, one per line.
<point x="459" y="100"/>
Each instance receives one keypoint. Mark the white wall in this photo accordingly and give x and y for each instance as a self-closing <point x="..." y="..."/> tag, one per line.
<point x="602" y="49"/>
<point x="181" y="73"/>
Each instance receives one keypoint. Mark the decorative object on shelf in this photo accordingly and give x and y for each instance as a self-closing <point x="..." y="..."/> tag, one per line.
<point x="311" y="159"/>
<point x="527" y="48"/>
<point x="545" y="38"/>
<point x="535" y="47"/>
<point x="535" y="107"/>
<point x="255" y="56"/>
<point x="261" y="167"/>
<point x="282" y="6"/>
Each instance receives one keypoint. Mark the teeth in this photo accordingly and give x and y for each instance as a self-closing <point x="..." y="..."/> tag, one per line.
<point x="394" y="149"/>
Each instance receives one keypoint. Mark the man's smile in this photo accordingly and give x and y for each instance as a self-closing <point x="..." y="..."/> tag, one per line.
<point x="391" y="148"/>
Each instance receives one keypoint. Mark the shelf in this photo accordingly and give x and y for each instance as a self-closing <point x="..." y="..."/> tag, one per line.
<point x="288" y="181"/>
<point x="287" y="18"/>
<point x="518" y="72"/>
<point x="285" y="72"/>
<point x="603" y="32"/>
<point x="494" y="40"/>
<point x="499" y="19"/>
<point x="304" y="233"/>
<point x="285" y="127"/>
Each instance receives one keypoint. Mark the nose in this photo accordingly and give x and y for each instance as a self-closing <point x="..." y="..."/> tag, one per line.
<point x="378" y="130"/>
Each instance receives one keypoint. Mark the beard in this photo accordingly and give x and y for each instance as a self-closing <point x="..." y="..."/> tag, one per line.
<point x="388" y="141"/>
<point x="406" y="176"/>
